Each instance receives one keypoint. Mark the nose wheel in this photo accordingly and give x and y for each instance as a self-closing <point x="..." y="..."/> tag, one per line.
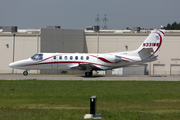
<point x="25" y="73"/>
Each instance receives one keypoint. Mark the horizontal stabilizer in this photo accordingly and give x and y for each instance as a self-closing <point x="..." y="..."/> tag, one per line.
<point x="118" y="59"/>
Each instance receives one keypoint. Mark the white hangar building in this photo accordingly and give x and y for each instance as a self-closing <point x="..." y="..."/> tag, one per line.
<point x="17" y="44"/>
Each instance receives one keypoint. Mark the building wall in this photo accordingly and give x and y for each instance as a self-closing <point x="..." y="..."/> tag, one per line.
<point x="62" y="40"/>
<point x="136" y="70"/>
<point x="111" y="42"/>
<point x="169" y="56"/>
<point x="25" y="46"/>
<point x="6" y="53"/>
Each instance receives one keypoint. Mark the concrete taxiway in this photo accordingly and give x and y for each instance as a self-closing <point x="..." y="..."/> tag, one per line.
<point x="94" y="77"/>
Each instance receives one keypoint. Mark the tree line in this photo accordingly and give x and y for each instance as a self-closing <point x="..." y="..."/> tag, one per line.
<point x="173" y="26"/>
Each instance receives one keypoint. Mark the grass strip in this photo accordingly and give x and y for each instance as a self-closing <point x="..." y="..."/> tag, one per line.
<point x="48" y="99"/>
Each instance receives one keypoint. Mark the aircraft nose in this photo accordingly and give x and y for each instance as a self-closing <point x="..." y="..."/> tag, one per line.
<point x="12" y="65"/>
<point x="18" y="64"/>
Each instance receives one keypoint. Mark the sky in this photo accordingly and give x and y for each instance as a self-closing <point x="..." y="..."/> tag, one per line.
<point x="78" y="14"/>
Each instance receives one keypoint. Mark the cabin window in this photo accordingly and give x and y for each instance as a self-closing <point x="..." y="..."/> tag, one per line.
<point x="81" y="57"/>
<point x="76" y="57"/>
<point x="54" y="57"/>
<point x="60" y="57"/>
<point x="87" y="58"/>
<point x="71" y="57"/>
<point x="65" y="57"/>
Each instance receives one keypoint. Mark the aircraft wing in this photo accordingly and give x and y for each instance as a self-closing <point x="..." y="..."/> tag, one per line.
<point x="85" y="66"/>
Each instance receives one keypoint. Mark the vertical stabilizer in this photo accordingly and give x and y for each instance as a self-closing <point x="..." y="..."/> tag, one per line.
<point x="149" y="49"/>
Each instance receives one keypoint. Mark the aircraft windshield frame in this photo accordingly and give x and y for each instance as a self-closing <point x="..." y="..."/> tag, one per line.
<point x="37" y="57"/>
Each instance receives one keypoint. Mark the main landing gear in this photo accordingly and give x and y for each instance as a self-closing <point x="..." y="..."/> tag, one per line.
<point x="25" y="73"/>
<point x="88" y="74"/>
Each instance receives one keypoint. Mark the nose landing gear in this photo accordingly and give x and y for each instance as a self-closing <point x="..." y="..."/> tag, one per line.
<point x="25" y="73"/>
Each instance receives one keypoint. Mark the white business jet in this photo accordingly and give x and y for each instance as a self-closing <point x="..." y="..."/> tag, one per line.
<point x="147" y="52"/>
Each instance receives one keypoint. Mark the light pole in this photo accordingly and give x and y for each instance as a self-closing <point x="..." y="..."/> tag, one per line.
<point x="13" y="49"/>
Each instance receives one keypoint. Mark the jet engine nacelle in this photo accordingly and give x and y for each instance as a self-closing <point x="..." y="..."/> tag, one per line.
<point x="113" y="58"/>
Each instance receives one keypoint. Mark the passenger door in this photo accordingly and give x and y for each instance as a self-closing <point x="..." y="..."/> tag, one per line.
<point x="54" y="63"/>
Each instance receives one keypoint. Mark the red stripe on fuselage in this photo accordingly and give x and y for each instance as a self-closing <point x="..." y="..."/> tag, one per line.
<point x="45" y="59"/>
<point x="93" y="56"/>
<point x="127" y="58"/>
<point x="101" y="58"/>
<point x="104" y="60"/>
<point x="56" y="62"/>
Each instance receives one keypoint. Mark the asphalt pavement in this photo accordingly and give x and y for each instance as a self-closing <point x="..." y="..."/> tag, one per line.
<point x="94" y="77"/>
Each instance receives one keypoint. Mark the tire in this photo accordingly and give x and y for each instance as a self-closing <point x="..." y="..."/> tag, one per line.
<point x="88" y="74"/>
<point x="25" y="73"/>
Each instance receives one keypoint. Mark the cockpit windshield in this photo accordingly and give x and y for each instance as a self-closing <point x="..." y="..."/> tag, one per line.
<point x="37" y="57"/>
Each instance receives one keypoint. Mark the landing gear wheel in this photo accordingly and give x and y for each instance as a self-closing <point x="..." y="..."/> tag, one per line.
<point x="25" y="73"/>
<point x="88" y="74"/>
